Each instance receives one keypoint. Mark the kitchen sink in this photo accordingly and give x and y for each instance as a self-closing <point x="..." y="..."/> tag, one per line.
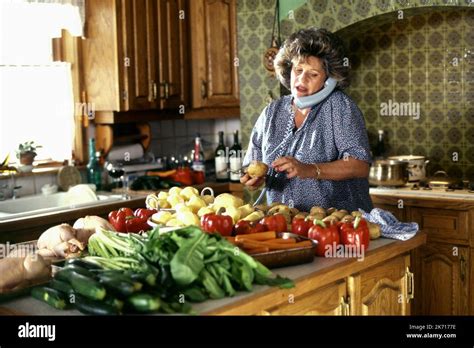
<point x="38" y="204"/>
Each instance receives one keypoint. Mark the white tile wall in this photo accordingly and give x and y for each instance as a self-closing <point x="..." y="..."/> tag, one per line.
<point x="175" y="137"/>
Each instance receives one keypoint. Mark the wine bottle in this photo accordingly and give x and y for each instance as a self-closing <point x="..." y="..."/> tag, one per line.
<point x="222" y="174"/>
<point x="94" y="172"/>
<point x="235" y="155"/>
<point x="380" y="150"/>
<point x="198" y="161"/>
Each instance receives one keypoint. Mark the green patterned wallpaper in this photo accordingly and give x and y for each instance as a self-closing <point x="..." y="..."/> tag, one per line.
<point x="409" y="52"/>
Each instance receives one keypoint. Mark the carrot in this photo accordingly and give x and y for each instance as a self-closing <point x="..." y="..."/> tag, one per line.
<point x="283" y="240"/>
<point x="230" y="239"/>
<point x="248" y="244"/>
<point x="256" y="236"/>
<point x="257" y="250"/>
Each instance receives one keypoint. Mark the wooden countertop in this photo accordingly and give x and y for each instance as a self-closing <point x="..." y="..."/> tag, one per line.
<point x="321" y="271"/>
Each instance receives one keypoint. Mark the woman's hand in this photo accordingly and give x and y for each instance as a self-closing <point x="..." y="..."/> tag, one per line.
<point x="252" y="183"/>
<point x="294" y="168"/>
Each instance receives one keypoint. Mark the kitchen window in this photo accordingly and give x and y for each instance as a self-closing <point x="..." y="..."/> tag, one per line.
<point x="36" y="92"/>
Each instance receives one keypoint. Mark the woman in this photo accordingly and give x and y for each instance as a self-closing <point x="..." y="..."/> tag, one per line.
<point x="314" y="140"/>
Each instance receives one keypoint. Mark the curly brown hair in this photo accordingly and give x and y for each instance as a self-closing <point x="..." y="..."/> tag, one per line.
<point x="315" y="42"/>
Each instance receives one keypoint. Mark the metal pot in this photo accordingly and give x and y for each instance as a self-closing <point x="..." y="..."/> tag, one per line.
<point x="416" y="166"/>
<point x="440" y="180"/>
<point x="388" y="173"/>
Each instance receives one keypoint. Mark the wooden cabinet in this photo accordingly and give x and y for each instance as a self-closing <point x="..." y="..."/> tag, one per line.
<point x="329" y="300"/>
<point x="383" y="290"/>
<point x="135" y="54"/>
<point x="214" y="59"/>
<point x="443" y="267"/>
<point x="442" y="279"/>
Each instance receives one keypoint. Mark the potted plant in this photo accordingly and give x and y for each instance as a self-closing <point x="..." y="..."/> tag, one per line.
<point x="26" y="152"/>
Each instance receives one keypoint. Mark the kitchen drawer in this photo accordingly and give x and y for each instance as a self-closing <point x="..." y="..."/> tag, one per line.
<point x="442" y="223"/>
<point x="328" y="300"/>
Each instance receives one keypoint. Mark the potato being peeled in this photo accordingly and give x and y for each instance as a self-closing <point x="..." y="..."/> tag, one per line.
<point x="257" y="169"/>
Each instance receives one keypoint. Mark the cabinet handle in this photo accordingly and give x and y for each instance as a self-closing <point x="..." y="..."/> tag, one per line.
<point x="410" y="279"/>
<point x="264" y="313"/>
<point x="155" y="91"/>
<point x="463" y="268"/>
<point x="152" y="95"/>
<point x="345" y="307"/>
<point x="167" y="90"/>
<point x="203" y="89"/>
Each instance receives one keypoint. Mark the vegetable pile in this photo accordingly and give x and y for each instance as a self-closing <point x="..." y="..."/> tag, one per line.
<point x="155" y="272"/>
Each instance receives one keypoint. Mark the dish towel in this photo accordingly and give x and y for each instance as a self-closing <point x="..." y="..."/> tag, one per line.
<point x="390" y="226"/>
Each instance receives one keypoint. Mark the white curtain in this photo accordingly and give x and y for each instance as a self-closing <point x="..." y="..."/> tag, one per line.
<point x="36" y="97"/>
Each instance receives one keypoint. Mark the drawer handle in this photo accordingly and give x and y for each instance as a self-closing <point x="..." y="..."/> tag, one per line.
<point x="345" y="307"/>
<point x="264" y="313"/>
<point x="462" y="265"/>
<point x="410" y="280"/>
<point x="203" y="89"/>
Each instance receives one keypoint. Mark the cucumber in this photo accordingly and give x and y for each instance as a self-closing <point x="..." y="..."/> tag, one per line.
<point x="144" y="302"/>
<point x="82" y="263"/>
<point x="81" y="284"/>
<point x="50" y="296"/>
<point x="148" y="278"/>
<point x="87" y="306"/>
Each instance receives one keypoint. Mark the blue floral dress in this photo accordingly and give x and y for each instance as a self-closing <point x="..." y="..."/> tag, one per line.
<point x="334" y="129"/>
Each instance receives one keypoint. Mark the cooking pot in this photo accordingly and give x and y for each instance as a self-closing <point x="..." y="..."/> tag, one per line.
<point x="416" y="166"/>
<point x="440" y="180"/>
<point x="388" y="173"/>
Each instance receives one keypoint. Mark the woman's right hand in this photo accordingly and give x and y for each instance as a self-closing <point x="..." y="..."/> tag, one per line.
<point x="252" y="183"/>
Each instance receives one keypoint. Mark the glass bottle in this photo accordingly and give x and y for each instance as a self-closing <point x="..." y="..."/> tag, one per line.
<point x="94" y="171"/>
<point x="222" y="174"/>
<point x="198" y="161"/>
<point x="380" y="150"/>
<point x="235" y="155"/>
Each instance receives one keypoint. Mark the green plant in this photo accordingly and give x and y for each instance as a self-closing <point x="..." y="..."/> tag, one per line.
<point x="27" y="147"/>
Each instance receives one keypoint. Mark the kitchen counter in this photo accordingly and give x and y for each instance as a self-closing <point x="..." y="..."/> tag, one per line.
<point x="30" y="227"/>
<point x="318" y="274"/>
<point x="406" y="191"/>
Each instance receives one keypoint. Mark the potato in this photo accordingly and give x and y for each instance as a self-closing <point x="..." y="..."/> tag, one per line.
<point x="331" y="219"/>
<point x="257" y="169"/>
<point x="374" y="230"/>
<point x="347" y="218"/>
<point x="317" y="209"/>
<point x="331" y="210"/>
<point x="339" y="214"/>
<point x="279" y="209"/>
<point x="294" y="212"/>
<point x="262" y="207"/>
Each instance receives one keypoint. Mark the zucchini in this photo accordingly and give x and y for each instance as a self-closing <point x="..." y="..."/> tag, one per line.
<point x="114" y="302"/>
<point x="119" y="276"/>
<point x="148" y="278"/>
<point x="87" y="306"/>
<point x="61" y="286"/>
<point x="144" y="302"/>
<point x="82" y="263"/>
<point x="119" y="286"/>
<point x="81" y="284"/>
<point x="50" y="296"/>
<point x="80" y="270"/>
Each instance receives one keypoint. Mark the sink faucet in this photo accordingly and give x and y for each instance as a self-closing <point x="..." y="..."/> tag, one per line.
<point x="15" y="192"/>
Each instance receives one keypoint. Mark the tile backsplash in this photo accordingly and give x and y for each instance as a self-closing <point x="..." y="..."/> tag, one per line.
<point x="177" y="136"/>
<point x="425" y="61"/>
<point x="407" y="59"/>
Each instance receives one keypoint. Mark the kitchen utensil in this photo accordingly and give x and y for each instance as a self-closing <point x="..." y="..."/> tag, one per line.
<point x="288" y="257"/>
<point x="416" y="166"/>
<point x="440" y="180"/>
<point x="388" y="173"/>
<point x="270" y="53"/>
<point x="68" y="176"/>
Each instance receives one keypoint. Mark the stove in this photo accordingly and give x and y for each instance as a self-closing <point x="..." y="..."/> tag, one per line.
<point x="455" y="191"/>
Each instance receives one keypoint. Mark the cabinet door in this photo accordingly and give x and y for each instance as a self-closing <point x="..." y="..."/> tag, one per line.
<point x="172" y="57"/>
<point x="442" y="279"/>
<point x="139" y="55"/>
<point x="214" y="53"/>
<point x="381" y="290"/>
<point x="329" y="300"/>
